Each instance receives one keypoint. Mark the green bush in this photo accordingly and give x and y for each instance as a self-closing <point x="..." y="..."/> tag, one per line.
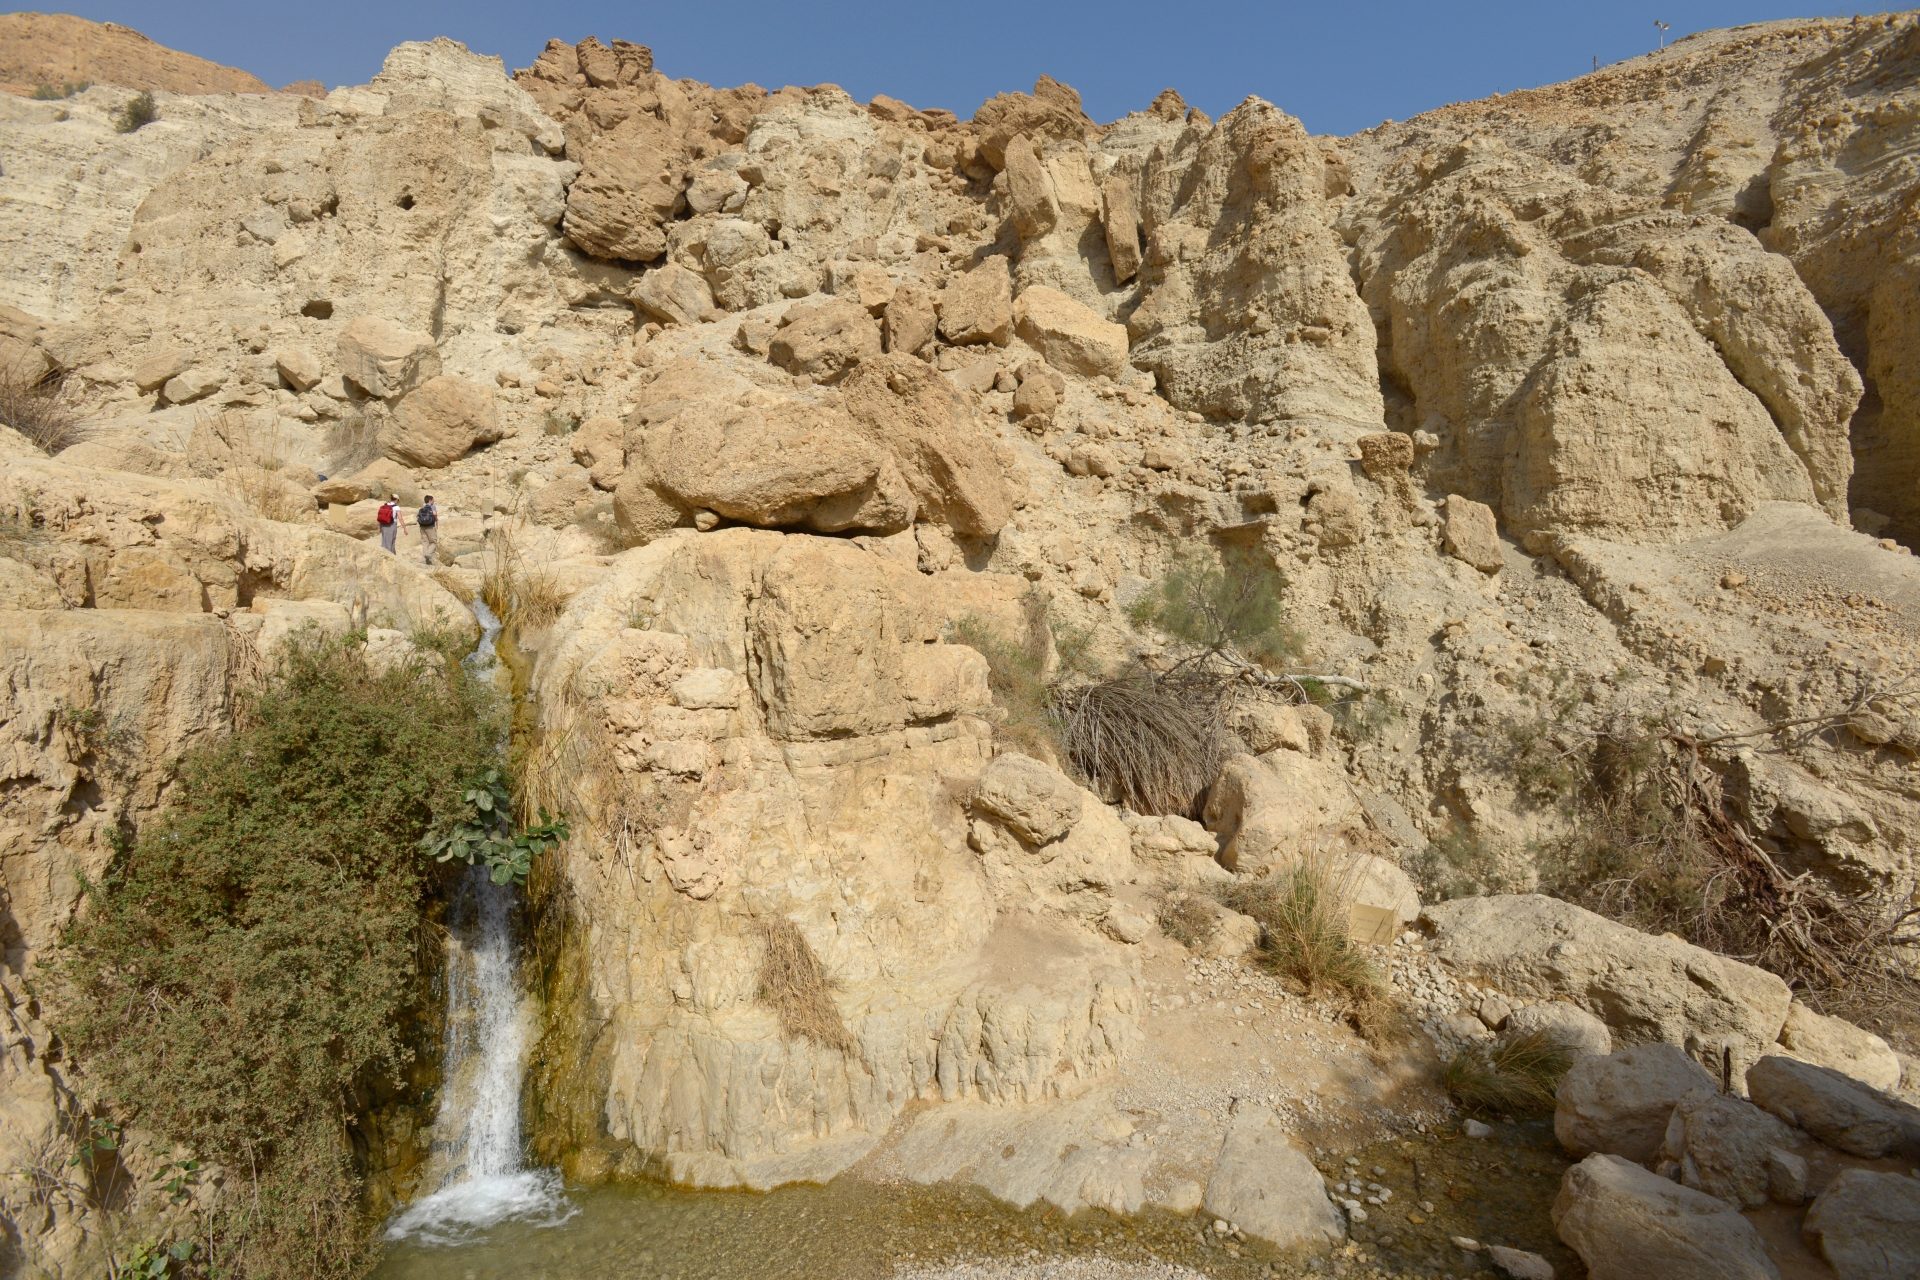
<point x="248" y="966"/>
<point x="1228" y="605"/>
<point x="1017" y="677"/>
<point x="139" y="112"/>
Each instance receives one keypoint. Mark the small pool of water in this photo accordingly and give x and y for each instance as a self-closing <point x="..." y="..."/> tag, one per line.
<point x="846" y="1231"/>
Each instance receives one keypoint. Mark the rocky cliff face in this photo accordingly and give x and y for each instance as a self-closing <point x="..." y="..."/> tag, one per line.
<point x="1604" y="388"/>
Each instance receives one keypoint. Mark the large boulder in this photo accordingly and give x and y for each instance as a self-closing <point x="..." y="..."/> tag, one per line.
<point x="1032" y="800"/>
<point x="1835" y="1108"/>
<point x="1629" y="1224"/>
<point x="1867" y="1225"/>
<point x="1729" y="1148"/>
<point x="441" y="421"/>
<point x="672" y="294"/>
<point x="955" y="467"/>
<point x="977" y="307"/>
<point x="1568" y="1025"/>
<point x="384" y="359"/>
<point x="1621" y="1104"/>
<point x="1267" y="1187"/>
<point x="1837" y="1043"/>
<point x="1069" y="334"/>
<point x="1272" y="810"/>
<point x="823" y="339"/>
<point x="1644" y="988"/>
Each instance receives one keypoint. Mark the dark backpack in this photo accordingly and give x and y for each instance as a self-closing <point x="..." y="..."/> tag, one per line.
<point x="427" y="518"/>
<point x="386" y="513"/>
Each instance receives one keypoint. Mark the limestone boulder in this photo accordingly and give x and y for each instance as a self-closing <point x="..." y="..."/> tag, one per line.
<point x="1035" y="802"/>
<point x="383" y="359"/>
<point x="1267" y="1187"/>
<point x="1029" y="191"/>
<point x="672" y="294"/>
<point x="958" y="472"/>
<point x="824" y="339"/>
<point x="599" y="445"/>
<point x="1271" y="811"/>
<point x="1470" y="533"/>
<point x="1567" y="1025"/>
<point x="977" y="307"/>
<point x="1838" y="1044"/>
<point x="441" y="421"/>
<point x="1629" y="1224"/>
<point x="1120" y="222"/>
<point x="619" y="201"/>
<point x="1729" y="1148"/>
<point x="1621" y="1104"/>
<point x="1644" y="988"/>
<point x="1069" y="334"/>
<point x="1867" y="1225"/>
<point x="910" y="321"/>
<point x="1835" y="1108"/>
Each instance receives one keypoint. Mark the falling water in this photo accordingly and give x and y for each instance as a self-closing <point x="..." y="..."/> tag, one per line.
<point x="475" y="1165"/>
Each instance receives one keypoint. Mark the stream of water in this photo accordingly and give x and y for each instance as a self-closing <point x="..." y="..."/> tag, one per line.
<point x="478" y="1177"/>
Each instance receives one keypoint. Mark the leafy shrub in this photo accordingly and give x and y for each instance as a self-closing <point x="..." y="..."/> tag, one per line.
<point x="1226" y="606"/>
<point x="1513" y="1076"/>
<point x="1017" y="677"/>
<point x="487" y="837"/>
<point x="42" y="410"/>
<point x="795" y="985"/>
<point x="247" y="966"/>
<point x="139" y="112"/>
<point x="1304" y="913"/>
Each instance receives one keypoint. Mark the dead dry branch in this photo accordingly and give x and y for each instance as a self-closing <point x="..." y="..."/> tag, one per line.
<point x="795" y="985"/>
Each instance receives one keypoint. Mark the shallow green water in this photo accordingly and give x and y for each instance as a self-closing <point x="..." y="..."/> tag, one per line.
<point x="846" y="1231"/>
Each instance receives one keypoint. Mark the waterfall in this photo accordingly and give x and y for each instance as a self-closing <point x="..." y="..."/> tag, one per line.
<point x="475" y="1166"/>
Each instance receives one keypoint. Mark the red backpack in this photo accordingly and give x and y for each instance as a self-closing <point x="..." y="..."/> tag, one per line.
<point x="386" y="513"/>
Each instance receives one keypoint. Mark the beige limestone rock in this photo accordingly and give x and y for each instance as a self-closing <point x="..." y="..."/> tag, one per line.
<point x="824" y="339"/>
<point x="1071" y="336"/>
<point x="1622" y="1103"/>
<point x="977" y="307"/>
<point x="1035" y="802"/>
<point x="1120" y="221"/>
<point x="1470" y="533"/>
<point x="957" y="471"/>
<point x="1837" y="1043"/>
<point x="156" y="370"/>
<point x="1645" y="988"/>
<point x="1725" y="1147"/>
<point x="1274" y="810"/>
<point x="1267" y="1187"/>
<point x="1030" y="190"/>
<point x="441" y="421"/>
<point x="599" y="445"/>
<point x="1835" y="1108"/>
<point x="1867" y="1225"/>
<point x="299" y="368"/>
<point x="1627" y="1224"/>
<point x="910" y="321"/>
<point x="672" y="294"/>
<point x="384" y="359"/>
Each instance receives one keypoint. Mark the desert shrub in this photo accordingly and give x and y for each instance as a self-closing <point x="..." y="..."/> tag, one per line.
<point x="1017" y="677"/>
<point x="1513" y="1076"/>
<point x="1153" y="743"/>
<point x="1226" y="606"/>
<point x="794" y="984"/>
<point x="1303" y="911"/>
<point x="247" y="966"/>
<point x="1459" y="863"/>
<point x="41" y="409"/>
<point x="1185" y="916"/>
<point x="137" y="113"/>
<point x="1652" y="842"/>
<point x="521" y="595"/>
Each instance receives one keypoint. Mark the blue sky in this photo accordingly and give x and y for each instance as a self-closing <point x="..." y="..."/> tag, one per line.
<point x="1338" y="66"/>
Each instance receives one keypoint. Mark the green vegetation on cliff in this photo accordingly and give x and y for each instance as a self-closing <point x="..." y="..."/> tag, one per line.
<point x="243" y="980"/>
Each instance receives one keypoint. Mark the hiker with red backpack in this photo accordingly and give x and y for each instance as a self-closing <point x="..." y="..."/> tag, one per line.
<point x="391" y="522"/>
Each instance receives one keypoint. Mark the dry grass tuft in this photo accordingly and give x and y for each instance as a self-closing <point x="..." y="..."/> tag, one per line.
<point x="795" y="985"/>
<point x="1515" y="1076"/>
<point x="1185" y="916"/>
<point x="1153" y="744"/>
<point x="42" y="410"/>
<point x="1304" y="912"/>
<point x="521" y="595"/>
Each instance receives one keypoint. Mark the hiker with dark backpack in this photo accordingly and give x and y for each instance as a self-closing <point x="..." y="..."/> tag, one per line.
<point x="390" y="522"/>
<point x="427" y="519"/>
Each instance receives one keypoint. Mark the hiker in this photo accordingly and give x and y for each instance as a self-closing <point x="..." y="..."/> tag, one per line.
<point x="390" y="522"/>
<point x="427" y="520"/>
